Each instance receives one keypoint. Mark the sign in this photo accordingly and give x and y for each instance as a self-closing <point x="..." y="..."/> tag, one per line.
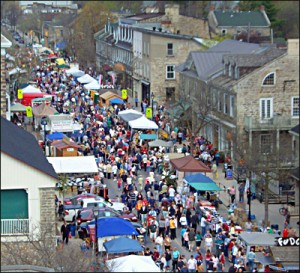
<point x="288" y="241"/>
<point x="92" y="233"/>
<point x="124" y="94"/>
<point x="20" y="94"/>
<point x="28" y="111"/>
<point x="61" y="126"/>
<point x="148" y="112"/>
<point x="70" y="149"/>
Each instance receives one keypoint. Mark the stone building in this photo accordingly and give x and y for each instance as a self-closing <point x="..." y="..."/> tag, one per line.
<point x="235" y="22"/>
<point x="28" y="184"/>
<point x="5" y="43"/>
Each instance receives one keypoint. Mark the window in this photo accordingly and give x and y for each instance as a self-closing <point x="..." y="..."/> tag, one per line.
<point x="266" y="108"/>
<point x="170" y="72"/>
<point x="231" y="109"/>
<point x="229" y="70"/>
<point x="170" y="94"/>
<point x="225" y="104"/>
<point x="220" y="102"/>
<point x="295" y="107"/>
<point x="265" y="144"/>
<point x="269" y="79"/>
<point x="170" y="49"/>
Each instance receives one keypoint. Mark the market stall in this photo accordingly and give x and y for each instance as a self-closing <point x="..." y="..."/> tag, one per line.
<point x="43" y="110"/>
<point x="85" y="79"/>
<point x="132" y="263"/>
<point x="129" y="114"/>
<point x="75" y="72"/>
<point x="94" y="85"/>
<point x="109" y="95"/>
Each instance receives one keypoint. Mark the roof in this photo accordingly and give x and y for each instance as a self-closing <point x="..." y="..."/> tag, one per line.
<point x="144" y="16"/>
<point x="241" y="18"/>
<point x="142" y="123"/>
<point x="285" y="254"/>
<point x="235" y="46"/>
<point x="43" y="110"/>
<point x="5" y="43"/>
<point x="22" y="145"/>
<point x="74" y="164"/>
<point x="189" y="164"/>
<point x="110" y="95"/>
<point x="258" y="238"/>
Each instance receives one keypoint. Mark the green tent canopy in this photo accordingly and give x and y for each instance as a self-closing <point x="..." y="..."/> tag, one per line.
<point x="205" y="186"/>
<point x="63" y="66"/>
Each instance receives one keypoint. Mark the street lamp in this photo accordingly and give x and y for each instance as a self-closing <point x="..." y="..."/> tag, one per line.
<point x="44" y="123"/>
<point x="96" y="214"/>
<point x="249" y="195"/>
<point x="152" y="98"/>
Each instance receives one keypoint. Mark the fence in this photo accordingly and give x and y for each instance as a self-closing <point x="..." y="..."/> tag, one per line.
<point x="14" y="226"/>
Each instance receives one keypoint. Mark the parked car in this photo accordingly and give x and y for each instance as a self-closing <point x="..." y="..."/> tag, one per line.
<point x="87" y="214"/>
<point x="75" y="200"/>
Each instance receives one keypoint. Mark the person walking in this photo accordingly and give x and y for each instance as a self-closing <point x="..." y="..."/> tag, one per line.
<point x="175" y="258"/>
<point x="192" y="238"/>
<point x="159" y="244"/>
<point x="232" y="194"/>
<point x="65" y="230"/>
<point x="251" y="257"/>
<point x="241" y="189"/>
<point x="192" y="264"/>
<point x="173" y="228"/>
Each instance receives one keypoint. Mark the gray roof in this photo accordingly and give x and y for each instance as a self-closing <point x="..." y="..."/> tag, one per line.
<point x="234" y="46"/>
<point x="22" y="145"/>
<point x="258" y="238"/>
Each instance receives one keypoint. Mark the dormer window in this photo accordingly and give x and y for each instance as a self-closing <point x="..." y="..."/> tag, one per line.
<point x="269" y="79"/>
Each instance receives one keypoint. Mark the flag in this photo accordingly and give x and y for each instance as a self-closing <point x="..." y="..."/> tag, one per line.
<point x="247" y="184"/>
<point x="100" y="79"/>
<point x="113" y="79"/>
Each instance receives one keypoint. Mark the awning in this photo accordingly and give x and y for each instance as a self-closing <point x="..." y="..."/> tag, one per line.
<point x="205" y="186"/>
<point x="74" y="164"/>
<point x="18" y="107"/>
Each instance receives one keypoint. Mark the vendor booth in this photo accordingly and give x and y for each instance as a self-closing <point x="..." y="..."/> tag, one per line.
<point x="111" y="228"/>
<point x="31" y="89"/>
<point x="94" y="85"/>
<point x="201" y="182"/>
<point x="75" y="72"/>
<point x="74" y="164"/>
<point x="43" y="110"/>
<point x="132" y="263"/>
<point x="17" y="107"/>
<point x="64" y="147"/>
<point x="107" y="96"/>
<point x="129" y="114"/>
<point x="160" y="143"/>
<point x="85" y="79"/>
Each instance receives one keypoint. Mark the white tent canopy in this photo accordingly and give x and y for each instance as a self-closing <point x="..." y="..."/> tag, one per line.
<point x="129" y="111"/>
<point x="142" y="123"/>
<point x="132" y="263"/>
<point x="31" y="89"/>
<point x="85" y="79"/>
<point x="92" y="85"/>
<point x="74" y="164"/>
<point x="75" y="72"/>
<point x="16" y="70"/>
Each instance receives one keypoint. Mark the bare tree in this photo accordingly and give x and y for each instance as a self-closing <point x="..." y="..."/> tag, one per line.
<point x="11" y="11"/>
<point x="40" y="249"/>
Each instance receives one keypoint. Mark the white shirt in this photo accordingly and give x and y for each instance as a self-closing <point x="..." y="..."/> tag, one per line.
<point x="171" y="192"/>
<point x="159" y="240"/>
<point x="183" y="221"/>
<point x="208" y="241"/>
<point x="192" y="264"/>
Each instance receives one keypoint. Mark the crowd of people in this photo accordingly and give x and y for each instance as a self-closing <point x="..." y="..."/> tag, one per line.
<point x="165" y="213"/>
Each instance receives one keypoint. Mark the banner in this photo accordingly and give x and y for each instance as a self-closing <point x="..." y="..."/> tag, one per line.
<point x="28" y="111"/>
<point x="148" y="112"/>
<point x="113" y="79"/>
<point x="100" y="79"/>
<point x="124" y="94"/>
<point x="20" y="94"/>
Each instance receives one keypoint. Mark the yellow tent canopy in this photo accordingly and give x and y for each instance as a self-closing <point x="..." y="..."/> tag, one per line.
<point x="60" y="61"/>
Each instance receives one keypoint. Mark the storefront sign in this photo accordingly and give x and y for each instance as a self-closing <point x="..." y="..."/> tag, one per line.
<point x="124" y="94"/>
<point x="288" y="241"/>
<point x="149" y="112"/>
<point x="28" y="111"/>
<point x="20" y="94"/>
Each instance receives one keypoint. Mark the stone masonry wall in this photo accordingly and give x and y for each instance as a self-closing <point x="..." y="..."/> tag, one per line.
<point x="3" y="87"/>
<point x="47" y="208"/>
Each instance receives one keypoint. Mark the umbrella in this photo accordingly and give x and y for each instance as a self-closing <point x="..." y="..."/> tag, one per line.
<point x="63" y="66"/>
<point x="52" y="56"/>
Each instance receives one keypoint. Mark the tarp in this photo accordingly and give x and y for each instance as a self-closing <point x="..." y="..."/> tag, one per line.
<point x="205" y="186"/>
<point x="92" y="85"/>
<point x="198" y="178"/>
<point x="142" y="123"/>
<point x="85" y="79"/>
<point x="18" y="107"/>
<point x="258" y="238"/>
<point x="129" y="114"/>
<point x="264" y="260"/>
<point x="132" y="263"/>
<point x="288" y="254"/>
<point x="113" y="226"/>
<point x="75" y="72"/>
<point x="74" y="164"/>
<point x="16" y="70"/>
<point x="116" y="101"/>
<point x="43" y="110"/>
<point x="122" y="245"/>
<point x="55" y="136"/>
<point x="189" y="164"/>
<point x="31" y="89"/>
<point x="159" y="142"/>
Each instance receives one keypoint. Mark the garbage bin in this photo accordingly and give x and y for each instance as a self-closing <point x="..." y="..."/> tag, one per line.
<point x="73" y="228"/>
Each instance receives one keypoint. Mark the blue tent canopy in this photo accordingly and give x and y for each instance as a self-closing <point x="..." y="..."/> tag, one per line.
<point x="55" y="136"/>
<point x="122" y="245"/>
<point x="201" y="182"/>
<point x="61" y="45"/>
<point x="113" y="226"/>
<point x="116" y="101"/>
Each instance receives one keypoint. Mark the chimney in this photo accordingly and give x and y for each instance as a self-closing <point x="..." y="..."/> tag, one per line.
<point x="262" y="8"/>
<point x="211" y="8"/>
<point x="154" y="28"/>
<point x="160" y="29"/>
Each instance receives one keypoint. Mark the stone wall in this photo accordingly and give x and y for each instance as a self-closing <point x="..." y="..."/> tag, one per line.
<point x="3" y="87"/>
<point x="47" y="212"/>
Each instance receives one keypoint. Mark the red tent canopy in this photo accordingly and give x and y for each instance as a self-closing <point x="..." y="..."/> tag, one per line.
<point x="52" y="56"/>
<point x="189" y="164"/>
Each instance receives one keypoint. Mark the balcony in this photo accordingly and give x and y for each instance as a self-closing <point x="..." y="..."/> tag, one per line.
<point x="277" y="122"/>
<point x="14" y="226"/>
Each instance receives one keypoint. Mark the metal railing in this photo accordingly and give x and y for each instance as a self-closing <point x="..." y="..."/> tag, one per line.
<point x="277" y="122"/>
<point x="14" y="226"/>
